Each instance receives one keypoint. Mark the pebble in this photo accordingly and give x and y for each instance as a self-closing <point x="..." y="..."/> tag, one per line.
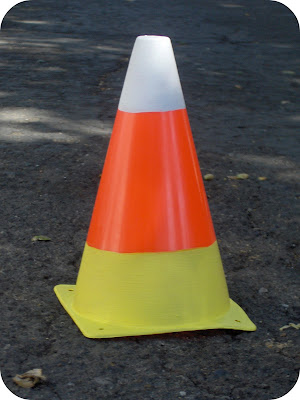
<point x="182" y="393"/>
<point x="208" y="177"/>
<point x="219" y="373"/>
<point x="242" y="176"/>
<point x="262" y="290"/>
<point x="102" y="381"/>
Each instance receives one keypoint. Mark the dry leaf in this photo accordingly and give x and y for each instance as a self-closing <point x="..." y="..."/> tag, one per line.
<point x="270" y="344"/>
<point x="208" y="177"/>
<point x="288" y="72"/>
<point x="40" y="238"/>
<point x="239" y="176"/>
<point x="290" y="325"/>
<point x="30" y="378"/>
<point x="242" y="176"/>
<point x="281" y="346"/>
<point x="296" y="326"/>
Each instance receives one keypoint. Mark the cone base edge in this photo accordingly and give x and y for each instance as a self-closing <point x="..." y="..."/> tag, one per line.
<point x="235" y="318"/>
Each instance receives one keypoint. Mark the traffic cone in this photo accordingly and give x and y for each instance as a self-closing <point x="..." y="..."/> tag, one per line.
<point x="151" y="262"/>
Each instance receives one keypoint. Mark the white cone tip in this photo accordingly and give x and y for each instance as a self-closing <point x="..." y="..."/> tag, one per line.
<point x="152" y="83"/>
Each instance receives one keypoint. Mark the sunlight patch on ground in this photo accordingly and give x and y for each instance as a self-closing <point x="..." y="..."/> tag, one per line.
<point x="294" y="118"/>
<point x="109" y="48"/>
<point x="282" y="45"/>
<point x="284" y="170"/>
<point x="28" y="124"/>
<point x="4" y="94"/>
<point x="231" y="5"/>
<point x="15" y="42"/>
<point x="269" y="161"/>
<point x="51" y="69"/>
<point x="289" y="176"/>
<point x="30" y="22"/>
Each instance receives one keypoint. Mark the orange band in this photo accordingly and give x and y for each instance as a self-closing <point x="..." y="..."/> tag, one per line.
<point x="151" y="196"/>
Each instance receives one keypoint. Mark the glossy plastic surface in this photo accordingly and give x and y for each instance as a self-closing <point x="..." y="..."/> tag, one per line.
<point x="152" y="82"/>
<point x="144" y="293"/>
<point x="151" y="196"/>
<point x="151" y="262"/>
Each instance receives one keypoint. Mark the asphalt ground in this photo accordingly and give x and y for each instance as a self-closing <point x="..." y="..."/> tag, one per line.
<point x="62" y="67"/>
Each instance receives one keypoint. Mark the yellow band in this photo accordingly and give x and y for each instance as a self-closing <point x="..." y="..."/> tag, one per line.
<point x="151" y="288"/>
<point x="125" y="294"/>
